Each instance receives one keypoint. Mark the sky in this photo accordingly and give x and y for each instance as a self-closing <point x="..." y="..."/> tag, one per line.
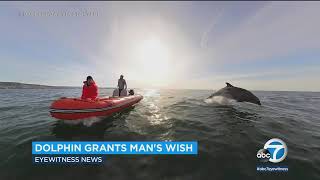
<point x="171" y="45"/>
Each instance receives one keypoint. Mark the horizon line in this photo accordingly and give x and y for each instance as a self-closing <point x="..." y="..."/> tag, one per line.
<point x="153" y="88"/>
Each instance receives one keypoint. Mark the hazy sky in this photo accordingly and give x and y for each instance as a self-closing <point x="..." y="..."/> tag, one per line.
<point x="194" y="45"/>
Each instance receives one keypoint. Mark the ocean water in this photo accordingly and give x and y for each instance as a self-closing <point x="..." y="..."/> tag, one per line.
<point x="229" y="135"/>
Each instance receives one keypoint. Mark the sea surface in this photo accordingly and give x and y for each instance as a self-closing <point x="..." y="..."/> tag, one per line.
<point x="229" y="134"/>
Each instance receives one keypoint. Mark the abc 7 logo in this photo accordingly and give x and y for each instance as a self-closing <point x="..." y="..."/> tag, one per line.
<point x="275" y="150"/>
<point x="263" y="155"/>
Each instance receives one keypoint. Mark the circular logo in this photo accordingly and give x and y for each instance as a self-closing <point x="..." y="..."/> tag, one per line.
<point x="277" y="148"/>
<point x="263" y="155"/>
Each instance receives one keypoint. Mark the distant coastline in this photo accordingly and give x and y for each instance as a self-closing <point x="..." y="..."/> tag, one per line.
<point x="17" y="85"/>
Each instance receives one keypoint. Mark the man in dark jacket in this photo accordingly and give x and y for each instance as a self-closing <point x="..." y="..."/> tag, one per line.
<point x="122" y="84"/>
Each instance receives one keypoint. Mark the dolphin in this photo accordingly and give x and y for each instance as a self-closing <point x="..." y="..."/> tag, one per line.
<point x="236" y="93"/>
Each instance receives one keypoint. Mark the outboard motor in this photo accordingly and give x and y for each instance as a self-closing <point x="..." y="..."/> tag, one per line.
<point x="131" y="92"/>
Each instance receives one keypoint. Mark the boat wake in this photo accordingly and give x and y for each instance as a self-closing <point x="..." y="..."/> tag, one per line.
<point x="88" y="122"/>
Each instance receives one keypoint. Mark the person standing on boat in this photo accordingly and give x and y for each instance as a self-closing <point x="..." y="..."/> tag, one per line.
<point x="122" y="84"/>
<point x="89" y="89"/>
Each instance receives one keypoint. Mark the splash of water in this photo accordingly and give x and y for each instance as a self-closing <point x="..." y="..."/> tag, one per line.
<point x="219" y="100"/>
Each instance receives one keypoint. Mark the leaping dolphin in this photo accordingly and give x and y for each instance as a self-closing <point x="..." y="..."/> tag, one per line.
<point x="236" y="93"/>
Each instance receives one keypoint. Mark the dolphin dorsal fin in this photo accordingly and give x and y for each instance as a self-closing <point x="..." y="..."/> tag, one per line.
<point x="228" y="84"/>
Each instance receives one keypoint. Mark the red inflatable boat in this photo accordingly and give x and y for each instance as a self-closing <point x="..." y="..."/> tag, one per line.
<point x="75" y="108"/>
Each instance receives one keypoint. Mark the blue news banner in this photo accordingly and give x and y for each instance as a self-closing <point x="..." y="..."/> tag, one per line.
<point x="94" y="152"/>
